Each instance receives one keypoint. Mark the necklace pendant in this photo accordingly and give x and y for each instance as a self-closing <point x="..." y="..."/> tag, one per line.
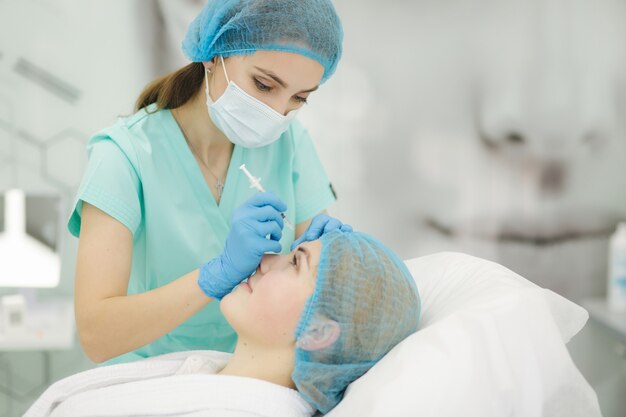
<point x="219" y="186"/>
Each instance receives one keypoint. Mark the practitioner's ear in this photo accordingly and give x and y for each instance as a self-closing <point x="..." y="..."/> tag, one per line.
<point x="210" y="65"/>
<point x="319" y="335"/>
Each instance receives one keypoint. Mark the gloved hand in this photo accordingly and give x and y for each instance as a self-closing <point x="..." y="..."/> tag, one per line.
<point x="245" y="245"/>
<point x="321" y="224"/>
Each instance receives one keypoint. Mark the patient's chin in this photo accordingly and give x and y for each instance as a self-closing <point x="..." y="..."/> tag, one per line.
<point x="229" y="306"/>
<point x="574" y="268"/>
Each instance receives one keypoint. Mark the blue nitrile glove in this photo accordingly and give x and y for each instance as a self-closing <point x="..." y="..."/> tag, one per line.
<point x="245" y="245"/>
<point x="321" y="224"/>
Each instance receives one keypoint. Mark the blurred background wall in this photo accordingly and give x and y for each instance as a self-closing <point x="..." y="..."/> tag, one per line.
<point x="493" y="128"/>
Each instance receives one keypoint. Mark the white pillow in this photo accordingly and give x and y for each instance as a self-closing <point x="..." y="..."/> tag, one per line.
<point x="490" y="343"/>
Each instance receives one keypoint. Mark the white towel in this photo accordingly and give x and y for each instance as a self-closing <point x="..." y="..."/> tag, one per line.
<point x="176" y="384"/>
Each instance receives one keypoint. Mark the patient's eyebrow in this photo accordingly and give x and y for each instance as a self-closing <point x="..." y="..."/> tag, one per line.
<point x="307" y="253"/>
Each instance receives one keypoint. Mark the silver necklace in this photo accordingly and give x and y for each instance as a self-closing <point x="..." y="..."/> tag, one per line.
<point x="219" y="185"/>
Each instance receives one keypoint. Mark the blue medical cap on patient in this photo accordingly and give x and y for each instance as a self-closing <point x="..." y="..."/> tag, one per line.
<point x="366" y="298"/>
<point x="240" y="27"/>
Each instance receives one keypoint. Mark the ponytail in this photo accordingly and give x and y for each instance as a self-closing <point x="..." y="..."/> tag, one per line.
<point x="174" y="89"/>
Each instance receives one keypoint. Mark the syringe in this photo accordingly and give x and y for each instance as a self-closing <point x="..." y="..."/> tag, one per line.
<point x="256" y="183"/>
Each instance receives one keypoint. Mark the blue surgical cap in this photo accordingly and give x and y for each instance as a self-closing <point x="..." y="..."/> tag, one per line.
<point x="241" y="27"/>
<point x="365" y="291"/>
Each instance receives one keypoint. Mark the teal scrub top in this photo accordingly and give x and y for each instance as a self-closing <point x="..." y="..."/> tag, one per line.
<point x="142" y="173"/>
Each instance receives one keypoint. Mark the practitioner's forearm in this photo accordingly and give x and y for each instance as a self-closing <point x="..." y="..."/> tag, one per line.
<point x="121" y="324"/>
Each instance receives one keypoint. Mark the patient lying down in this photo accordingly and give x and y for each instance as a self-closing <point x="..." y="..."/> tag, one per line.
<point x="308" y="323"/>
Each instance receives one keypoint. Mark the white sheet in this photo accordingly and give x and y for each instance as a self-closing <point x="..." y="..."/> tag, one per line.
<point x="177" y="384"/>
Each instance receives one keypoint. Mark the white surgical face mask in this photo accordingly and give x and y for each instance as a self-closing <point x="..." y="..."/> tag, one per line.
<point x="245" y="120"/>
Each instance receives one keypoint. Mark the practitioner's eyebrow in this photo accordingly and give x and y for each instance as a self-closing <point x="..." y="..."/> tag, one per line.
<point x="280" y="81"/>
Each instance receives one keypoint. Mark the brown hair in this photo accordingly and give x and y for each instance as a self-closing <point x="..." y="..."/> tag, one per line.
<point x="174" y="89"/>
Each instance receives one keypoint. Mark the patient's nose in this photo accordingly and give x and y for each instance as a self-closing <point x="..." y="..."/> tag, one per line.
<point x="267" y="261"/>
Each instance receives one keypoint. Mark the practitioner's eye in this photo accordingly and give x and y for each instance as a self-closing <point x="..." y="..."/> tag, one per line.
<point x="300" y="99"/>
<point x="260" y="86"/>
